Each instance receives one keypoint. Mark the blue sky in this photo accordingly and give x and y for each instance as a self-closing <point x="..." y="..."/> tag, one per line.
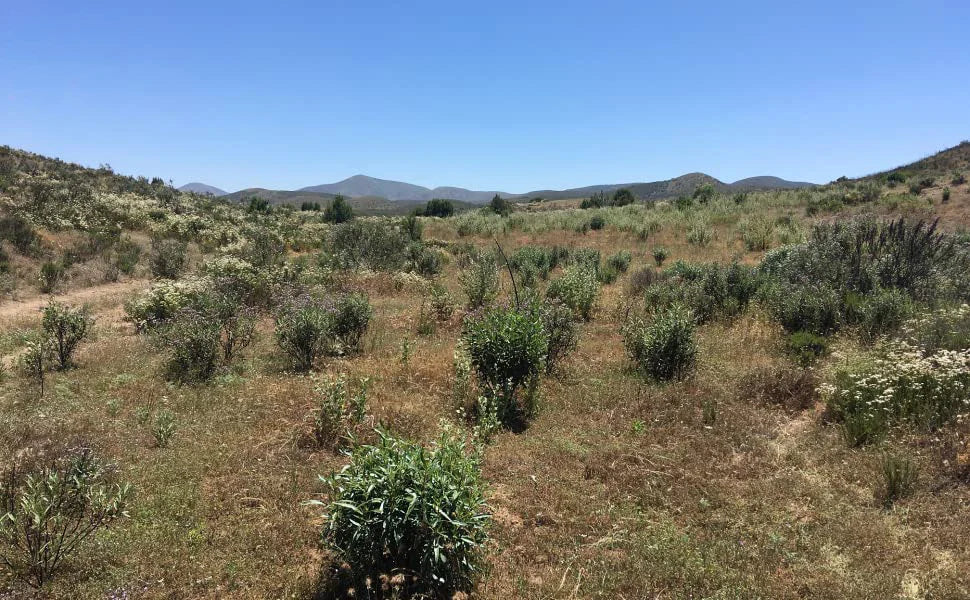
<point x="510" y="96"/>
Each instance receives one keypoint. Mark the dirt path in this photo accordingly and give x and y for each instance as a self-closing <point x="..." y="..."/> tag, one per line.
<point x="99" y="296"/>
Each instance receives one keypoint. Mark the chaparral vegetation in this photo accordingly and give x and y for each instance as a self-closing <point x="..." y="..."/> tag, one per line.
<point x="715" y="394"/>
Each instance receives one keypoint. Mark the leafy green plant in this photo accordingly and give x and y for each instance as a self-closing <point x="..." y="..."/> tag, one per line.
<point x="577" y="287"/>
<point x="193" y="342"/>
<point x="597" y="222"/>
<point x="757" y="232"/>
<point x="805" y="347"/>
<point x="414" y="515"/>
<point x="51" y="275"/>
<point x="163" y="429"/>
<point x="620" y="261"/>
<point x="946" y="195"/>
<point x="340" y="413"/>
<point x="47" y="513"/>
<point x="36" y="359"/>
<point x="507" y="347"/>
<point x="479" y="280"/>
<point x="127" y="255"/>
<point x="899" y="476"/>
<point x="20" y="233"/>
<point x="303" y="331"/>
<point x="351" y="316"/>
<point x="883" y="312"/>
<point x="65" y="328"/>
<point x="168" y="258"/>
<point x="562" y="333"/>
<point x="664" y="349"/>
<point x="660" y="254"/>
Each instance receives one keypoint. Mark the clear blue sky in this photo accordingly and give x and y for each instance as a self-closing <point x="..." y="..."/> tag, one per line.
<point x="487" y="95"/>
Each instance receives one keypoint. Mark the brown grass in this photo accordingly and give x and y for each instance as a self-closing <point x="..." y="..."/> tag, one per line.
<point x="618" y="489"/>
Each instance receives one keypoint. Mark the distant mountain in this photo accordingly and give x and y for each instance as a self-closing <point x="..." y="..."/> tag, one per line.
<point x="201" y="188"/>
<point x="362" y="185"/>
<point x="767" y="182"/>
<point x="656" y="190"/>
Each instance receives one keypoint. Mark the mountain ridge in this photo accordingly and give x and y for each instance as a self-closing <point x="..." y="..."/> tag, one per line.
<point x="364" y="186"/>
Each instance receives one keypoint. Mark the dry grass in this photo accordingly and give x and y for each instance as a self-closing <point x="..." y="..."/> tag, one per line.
<point x="618" y="489"/>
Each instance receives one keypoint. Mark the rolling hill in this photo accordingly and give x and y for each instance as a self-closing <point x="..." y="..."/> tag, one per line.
<point x="202" y="188"/>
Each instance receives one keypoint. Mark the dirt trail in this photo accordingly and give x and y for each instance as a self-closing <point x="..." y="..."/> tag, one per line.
<point x="99" y="296"/>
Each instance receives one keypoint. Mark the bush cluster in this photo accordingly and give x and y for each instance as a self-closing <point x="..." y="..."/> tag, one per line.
<point x="412" y="517"/>
<point x="664" y="349"/>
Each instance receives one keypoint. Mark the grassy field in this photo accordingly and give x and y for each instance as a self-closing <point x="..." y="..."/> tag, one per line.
<point x="724" y="484"/>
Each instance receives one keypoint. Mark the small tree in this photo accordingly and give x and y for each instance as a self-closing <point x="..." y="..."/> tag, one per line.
<point x="500" y="206"/>
<point x="338" y="211"/>
<point x="46" y="514"/>
<point x="438" y="207"/>
<point x="622" y="197"/>
<point x="65" y="328"/>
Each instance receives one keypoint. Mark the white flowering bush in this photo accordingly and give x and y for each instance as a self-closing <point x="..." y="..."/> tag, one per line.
<point x="161" y="303"/>
<point x="902" y="386"/>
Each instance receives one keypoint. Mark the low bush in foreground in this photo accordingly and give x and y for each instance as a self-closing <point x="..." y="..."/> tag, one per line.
<point x="47" y="512"/>
<point x="412" y="517"/>
<point x="665" y="349"/>
<point x="902" y="386"/>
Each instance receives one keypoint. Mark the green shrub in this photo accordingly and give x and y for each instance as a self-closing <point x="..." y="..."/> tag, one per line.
<point x="508" y="348"/>
<point x="620" y="261"/>
<point x="607" y="275"/>
<point x="900" y="476"/>
<point x="660" y="254"/>
<point x="757" y="233"/>
<point x="665" y="349"/>
<point x="400" y="508"/>
<point x="946" y="195"/>
<point x="427" y="261"/>
<point x="587" y="258"/>
<point x="441" y="302"/>
<point x="883" y="312"/>
<point x="164" y="427"/>
<point x="51" y="275"/>
<point x="168" y="257"/>
<point x="20" y="233"/>
<point x="816" y="310"/>
<point x="578" y="289"/>
<point x="378" y="245"/>
<point x="806" y="348"/>
<point x="192" y="340"/>
<point x="4" y="261"/>
<point x="351" y="316"/>
<point x="303" y="331"/>
<point x="562" y="332"/>
<point x="479" y="280"/>
<point x="48" y="511"/>
<point x="704" y="193"/>
<point x="236" y="321"/>
<point x="597" y="222"/>
<point x="699" y="233"/>
<point x="65" y="328"/>
<point x="533" y="263"/>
